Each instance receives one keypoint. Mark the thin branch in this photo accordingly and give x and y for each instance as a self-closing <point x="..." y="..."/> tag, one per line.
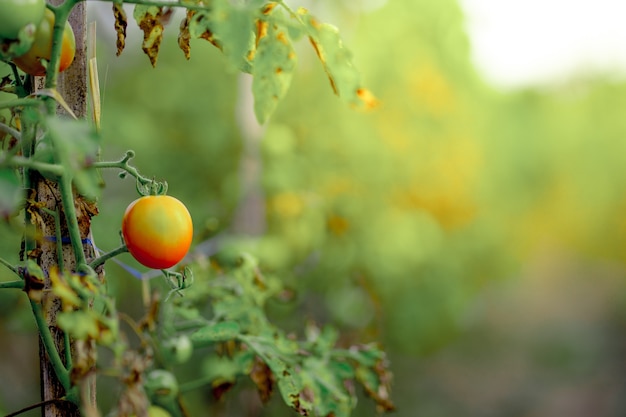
<point x="8" y="265"/>
<point x="19" y="284"/>
<point x="20" y="102"/>
<point x="67" y="199"/>
<point x="9" y="130"/>
<point x="36" y="405"/>
<point x="102" y="259"/>
<point x="43" y="167"/>
<point x="48" y="341"/>
<point x="195" y="384"/>
<point x="149" y="185"/>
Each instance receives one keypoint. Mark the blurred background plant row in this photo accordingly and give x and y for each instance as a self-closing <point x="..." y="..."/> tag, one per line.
<point x="479" y="234"/>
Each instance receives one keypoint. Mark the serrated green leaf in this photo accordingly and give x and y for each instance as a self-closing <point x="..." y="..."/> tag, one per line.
<point x="79" y="324"/>
<point x="61" y="288"/>
<point x="227" y="369"/>
<point x="337" y="60"/>
<point x="74" y="145"/>
<point x="229" y="27"/>
<point x="274" y="63"/>
<point x="289" y="384"/>
<point x="375" y="381"/>
<point x="11" y="193"/>
<point x="343" y="370"/>
<point x="218" y="332"/>
<point x="329" y="392"/>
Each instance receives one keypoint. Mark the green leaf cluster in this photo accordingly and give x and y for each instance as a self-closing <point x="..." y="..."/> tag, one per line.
<point x="310" y="372"/>
<point x="257" y="38"/>
<point x="74" y="146"/>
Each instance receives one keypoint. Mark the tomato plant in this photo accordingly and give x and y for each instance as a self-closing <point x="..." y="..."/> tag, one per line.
<point x="41" y="48"/>
<point x="15" y="14"/>
<point x="157" y="230"/>
<point x="49" y="167"/>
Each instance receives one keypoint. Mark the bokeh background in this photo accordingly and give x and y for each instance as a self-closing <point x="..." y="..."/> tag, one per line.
<point x="476" y="229"/>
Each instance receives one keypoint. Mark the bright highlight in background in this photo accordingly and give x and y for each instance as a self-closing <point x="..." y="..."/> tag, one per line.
<point x="528" y="42"/>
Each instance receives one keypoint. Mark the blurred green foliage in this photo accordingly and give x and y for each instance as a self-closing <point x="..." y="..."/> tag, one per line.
<point x="453" y="222"/>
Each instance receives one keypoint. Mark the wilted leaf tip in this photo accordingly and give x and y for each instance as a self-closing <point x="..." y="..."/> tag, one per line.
<point x="268" y="8"/>
<point x="367" y="98"/>
<point x="120" y="27"/>
<point x="149" y="21"/>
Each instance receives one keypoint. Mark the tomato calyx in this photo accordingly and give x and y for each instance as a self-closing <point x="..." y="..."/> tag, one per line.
<point x="151" y="187"/>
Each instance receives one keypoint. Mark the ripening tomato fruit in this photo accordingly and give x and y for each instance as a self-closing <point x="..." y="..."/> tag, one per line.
<point x="157" y="231"/>
<point x="155" y="411"/>
<point x="179" y="349"/>
<point x="161" y="385"/>
<point x="30" y="62"/>
<point x="15" y="14"/>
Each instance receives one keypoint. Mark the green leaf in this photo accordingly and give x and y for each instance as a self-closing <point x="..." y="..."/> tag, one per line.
<point x="11" y="193"/>
<point x="79" y="324"/>
<point x="226" y="369"/>
<point x="230" y="27"/>
<point x="344" y="78"/>
<point x="329" y="393"/>
<point x="75" y="145"/>
<point x="62" y="289"/>
<point x="274" y="63"/>
<point x="376" y="382"/>
<point x="218" y="332"/>
<point x="289" y="384"/>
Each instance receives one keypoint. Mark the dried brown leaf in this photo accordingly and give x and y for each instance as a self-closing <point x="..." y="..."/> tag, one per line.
<point x="120" y="27"/>
<point x="151" y="24"/>
<point x="263" y="378"/>
<point x="184" y="36"/>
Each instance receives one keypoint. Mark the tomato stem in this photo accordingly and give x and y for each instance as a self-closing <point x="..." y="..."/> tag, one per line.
<point x="67" y="199"/>
<point x="18" y="284"/>
<point x="8" y="265"/>
<point x="109" y="255"/>
<point x="145" y="186"/>
<point x="10" y="131"/>
<point x="20" y="102"/>
<point x="42" y="167"/>
<point x="61" y="15"/>
<point x="48" y="342"/>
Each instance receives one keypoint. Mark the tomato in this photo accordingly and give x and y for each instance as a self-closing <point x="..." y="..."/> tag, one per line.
<point x="15" y="14"/>
<point x="157" y="231"/>
<point x="161" y="385"/>
<point x="42" y="48"/>
<point x="179" y="348"/>
<point x="155" y="411"/>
